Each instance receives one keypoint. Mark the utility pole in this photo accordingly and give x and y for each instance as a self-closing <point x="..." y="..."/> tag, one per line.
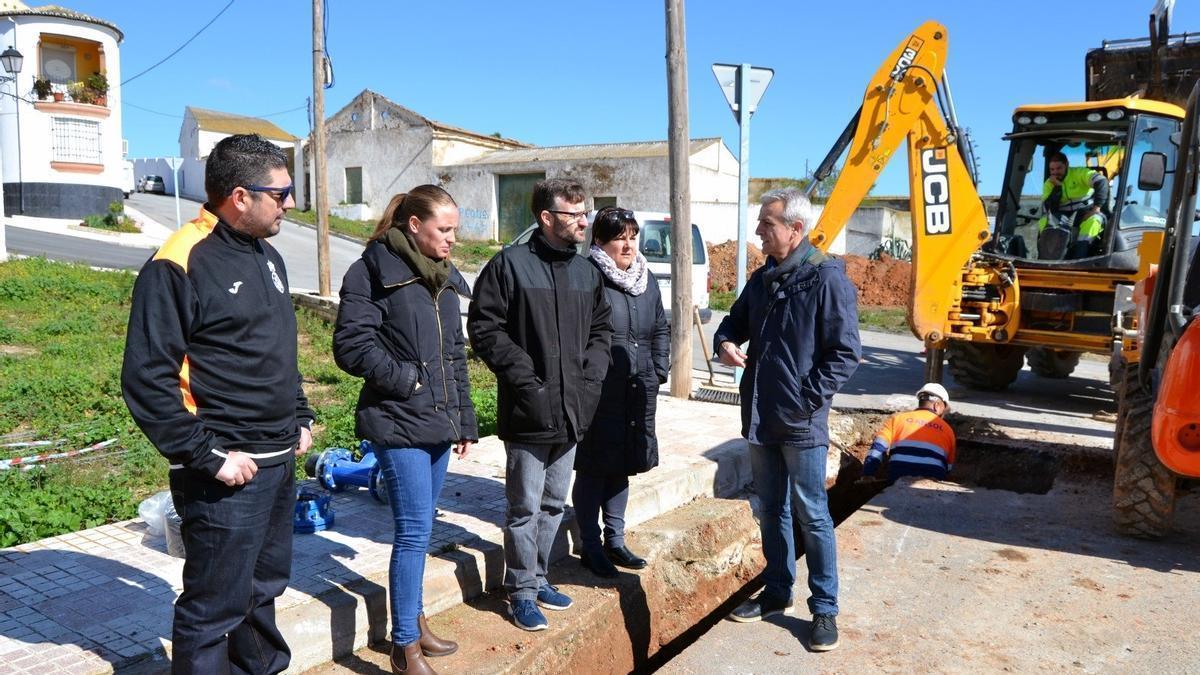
<point x="679" y="151"/>
<point x="322" y="197"/>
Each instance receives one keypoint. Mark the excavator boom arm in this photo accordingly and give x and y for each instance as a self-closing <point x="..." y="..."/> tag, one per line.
<point x="949" y="220"/>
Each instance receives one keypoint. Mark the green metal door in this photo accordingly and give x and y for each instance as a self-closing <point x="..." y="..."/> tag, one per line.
<point x="515" y="192"/>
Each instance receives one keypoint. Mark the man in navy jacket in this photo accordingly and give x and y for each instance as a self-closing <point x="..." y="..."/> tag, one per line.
<point x="799" y="313"/>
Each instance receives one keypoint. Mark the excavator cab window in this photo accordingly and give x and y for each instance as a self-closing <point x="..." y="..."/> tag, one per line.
<point x="1144" y="208"/>
<point x="1099" y="213"/>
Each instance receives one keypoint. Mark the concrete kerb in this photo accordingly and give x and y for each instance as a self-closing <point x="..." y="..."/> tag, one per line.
<point x="475" y="565"/>
<point x="337" y="601"/>
<point x="153" y="234"/>
<point x="339" y="235"/>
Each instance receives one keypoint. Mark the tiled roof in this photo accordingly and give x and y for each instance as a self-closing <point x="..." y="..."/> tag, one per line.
<point x="593" y="151"/>
<point x="229" y="123"/>
<point x="62" y="13"/>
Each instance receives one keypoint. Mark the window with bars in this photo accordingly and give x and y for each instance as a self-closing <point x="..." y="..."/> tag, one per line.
<point x="76" y="140"/>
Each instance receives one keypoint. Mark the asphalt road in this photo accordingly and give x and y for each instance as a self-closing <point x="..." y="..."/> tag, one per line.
<point x="20" y="241"/>
<point x="1079" y="407"/>
<point x="295" y="242"/>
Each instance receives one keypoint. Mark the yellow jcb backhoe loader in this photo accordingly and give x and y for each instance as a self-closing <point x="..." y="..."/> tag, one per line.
<point x="1032" y="284"/>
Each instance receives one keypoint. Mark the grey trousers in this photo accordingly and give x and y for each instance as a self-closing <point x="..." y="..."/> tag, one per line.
<point x="536" y="481"/>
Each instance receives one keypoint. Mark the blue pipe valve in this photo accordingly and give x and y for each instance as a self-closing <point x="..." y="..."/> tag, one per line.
<point x="337" y="470"/>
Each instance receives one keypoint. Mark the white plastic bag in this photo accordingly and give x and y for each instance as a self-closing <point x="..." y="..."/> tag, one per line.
<point x="152" y="509"/>
<point x="171" y="523"/>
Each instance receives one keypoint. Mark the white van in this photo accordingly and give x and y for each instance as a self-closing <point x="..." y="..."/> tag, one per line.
<point x="127" y="183"/>
<point x="654" y="241"/>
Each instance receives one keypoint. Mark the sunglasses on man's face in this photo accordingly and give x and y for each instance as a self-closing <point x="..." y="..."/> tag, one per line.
<point x="280" y="194"/>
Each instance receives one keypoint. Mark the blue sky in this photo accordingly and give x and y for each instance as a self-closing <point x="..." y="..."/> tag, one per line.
<point x="553" y="73"/>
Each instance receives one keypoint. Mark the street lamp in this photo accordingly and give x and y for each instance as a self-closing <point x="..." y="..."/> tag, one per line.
<point x="13" y="60"/>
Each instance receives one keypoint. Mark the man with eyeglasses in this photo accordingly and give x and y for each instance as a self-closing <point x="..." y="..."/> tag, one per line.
<point x="210" y="376"/>
<point x="540" y="322"/>
<point x="916" y="442"/>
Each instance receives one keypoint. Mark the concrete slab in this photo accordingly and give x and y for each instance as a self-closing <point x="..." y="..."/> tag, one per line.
<point x="937" y="577"/>
<point x="103" y="597"/>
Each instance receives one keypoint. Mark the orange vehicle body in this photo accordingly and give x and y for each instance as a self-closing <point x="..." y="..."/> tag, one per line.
<point x="1175" y="431"/>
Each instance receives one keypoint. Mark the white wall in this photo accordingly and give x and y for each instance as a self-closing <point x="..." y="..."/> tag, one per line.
<point x="638" y="183"/>
<point x="35" y="125"/>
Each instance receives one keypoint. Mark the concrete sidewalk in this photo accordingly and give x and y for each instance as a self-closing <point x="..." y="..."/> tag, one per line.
<point x="100" y="600"/>
<point x="153" y="233"/>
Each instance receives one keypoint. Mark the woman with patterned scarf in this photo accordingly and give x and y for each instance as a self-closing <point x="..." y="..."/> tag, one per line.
<point x="621" y="441"/>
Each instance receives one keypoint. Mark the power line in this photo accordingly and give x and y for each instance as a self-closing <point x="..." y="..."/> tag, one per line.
<point x="179" y="117"/>
<point x="178" y="49"/>
<point x="284" y="112"/>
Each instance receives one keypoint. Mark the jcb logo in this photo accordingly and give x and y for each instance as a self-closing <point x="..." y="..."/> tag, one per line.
<point x="936" y="191"/>
<point x="906" y="58"/>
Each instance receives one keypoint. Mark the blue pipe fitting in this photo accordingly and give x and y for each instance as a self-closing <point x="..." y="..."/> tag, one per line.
<point x="337" y="470"/>
<point x="313" y="512"/>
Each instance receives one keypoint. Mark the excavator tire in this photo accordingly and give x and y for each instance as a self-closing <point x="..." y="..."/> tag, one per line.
<point x="1053" y="363"/>
<point x="1143" y="489"/>
<point x="988" y="367"/>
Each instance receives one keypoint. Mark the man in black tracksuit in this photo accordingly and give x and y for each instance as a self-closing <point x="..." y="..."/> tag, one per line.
<point x="210" y="376"/>
<point x="540" y="322"/>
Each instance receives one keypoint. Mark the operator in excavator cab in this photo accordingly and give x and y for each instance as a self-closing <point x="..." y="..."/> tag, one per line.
<point x="1074" y="201"/>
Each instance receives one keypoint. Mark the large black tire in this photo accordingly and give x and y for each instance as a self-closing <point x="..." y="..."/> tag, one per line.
<point x="1052" y="363"/>
<point x="1143" y="489"/>
<point x="988" y="367"/>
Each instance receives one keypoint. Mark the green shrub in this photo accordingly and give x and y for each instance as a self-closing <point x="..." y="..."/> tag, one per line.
<point x="114" y="221"/>
<point x="484" y="401"/>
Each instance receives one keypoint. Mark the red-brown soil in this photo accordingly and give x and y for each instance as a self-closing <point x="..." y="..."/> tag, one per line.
<point x="880" y="283"/>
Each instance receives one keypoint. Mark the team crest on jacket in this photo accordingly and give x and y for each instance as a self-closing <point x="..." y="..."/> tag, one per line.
<point x="275" y="277"/>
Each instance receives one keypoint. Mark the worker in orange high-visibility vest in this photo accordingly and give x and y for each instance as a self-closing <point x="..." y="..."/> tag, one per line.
<point x="916" y="442"/>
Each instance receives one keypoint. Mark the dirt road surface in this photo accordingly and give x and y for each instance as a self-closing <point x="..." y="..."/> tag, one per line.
<point x="939" y="577"/>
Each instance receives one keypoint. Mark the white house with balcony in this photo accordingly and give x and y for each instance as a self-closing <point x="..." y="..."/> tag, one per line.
<point x="60" y="117"/>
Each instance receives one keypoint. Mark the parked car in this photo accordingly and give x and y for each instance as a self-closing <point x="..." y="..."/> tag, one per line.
<point x="154" y="184"/>
<point x="654" y="241"/>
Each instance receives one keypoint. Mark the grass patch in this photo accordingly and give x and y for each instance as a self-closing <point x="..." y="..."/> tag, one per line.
<point x="471" y="256"/>
<point x="721" y="301"/>
<point x="357" y="229"/>
<point x="62" y="339"/>
<point x="884" y="319"/>
<point x="468" y="256"/>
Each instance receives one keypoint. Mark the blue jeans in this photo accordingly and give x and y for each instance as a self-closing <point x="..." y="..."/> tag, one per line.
<point x="787" y="476"/>
<point x="238" y="547"/>
<point x="413" y="477"/>
<point x="535" y="482"/>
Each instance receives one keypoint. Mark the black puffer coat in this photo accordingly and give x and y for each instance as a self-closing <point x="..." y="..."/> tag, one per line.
<point x="621" y="439"/>
<point x="409" y="352"/>
<point x="540" y="323"/>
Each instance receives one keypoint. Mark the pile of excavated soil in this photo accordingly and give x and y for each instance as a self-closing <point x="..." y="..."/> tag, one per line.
<point x="886" y="282"/>
<point x="881" y="283"/>
<point x="722" y="264"/>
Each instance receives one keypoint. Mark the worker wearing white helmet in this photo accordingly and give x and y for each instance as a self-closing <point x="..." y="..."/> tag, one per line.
<point x="917" y="442"/>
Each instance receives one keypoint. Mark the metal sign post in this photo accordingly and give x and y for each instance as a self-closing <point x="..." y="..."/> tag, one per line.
<point x="743" y="86"/>
<point x="174" y="163"/>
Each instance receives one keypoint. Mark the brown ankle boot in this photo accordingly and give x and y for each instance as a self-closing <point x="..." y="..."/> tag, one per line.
<point x="432" y="645"/>
<point x="408" y="660"/>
